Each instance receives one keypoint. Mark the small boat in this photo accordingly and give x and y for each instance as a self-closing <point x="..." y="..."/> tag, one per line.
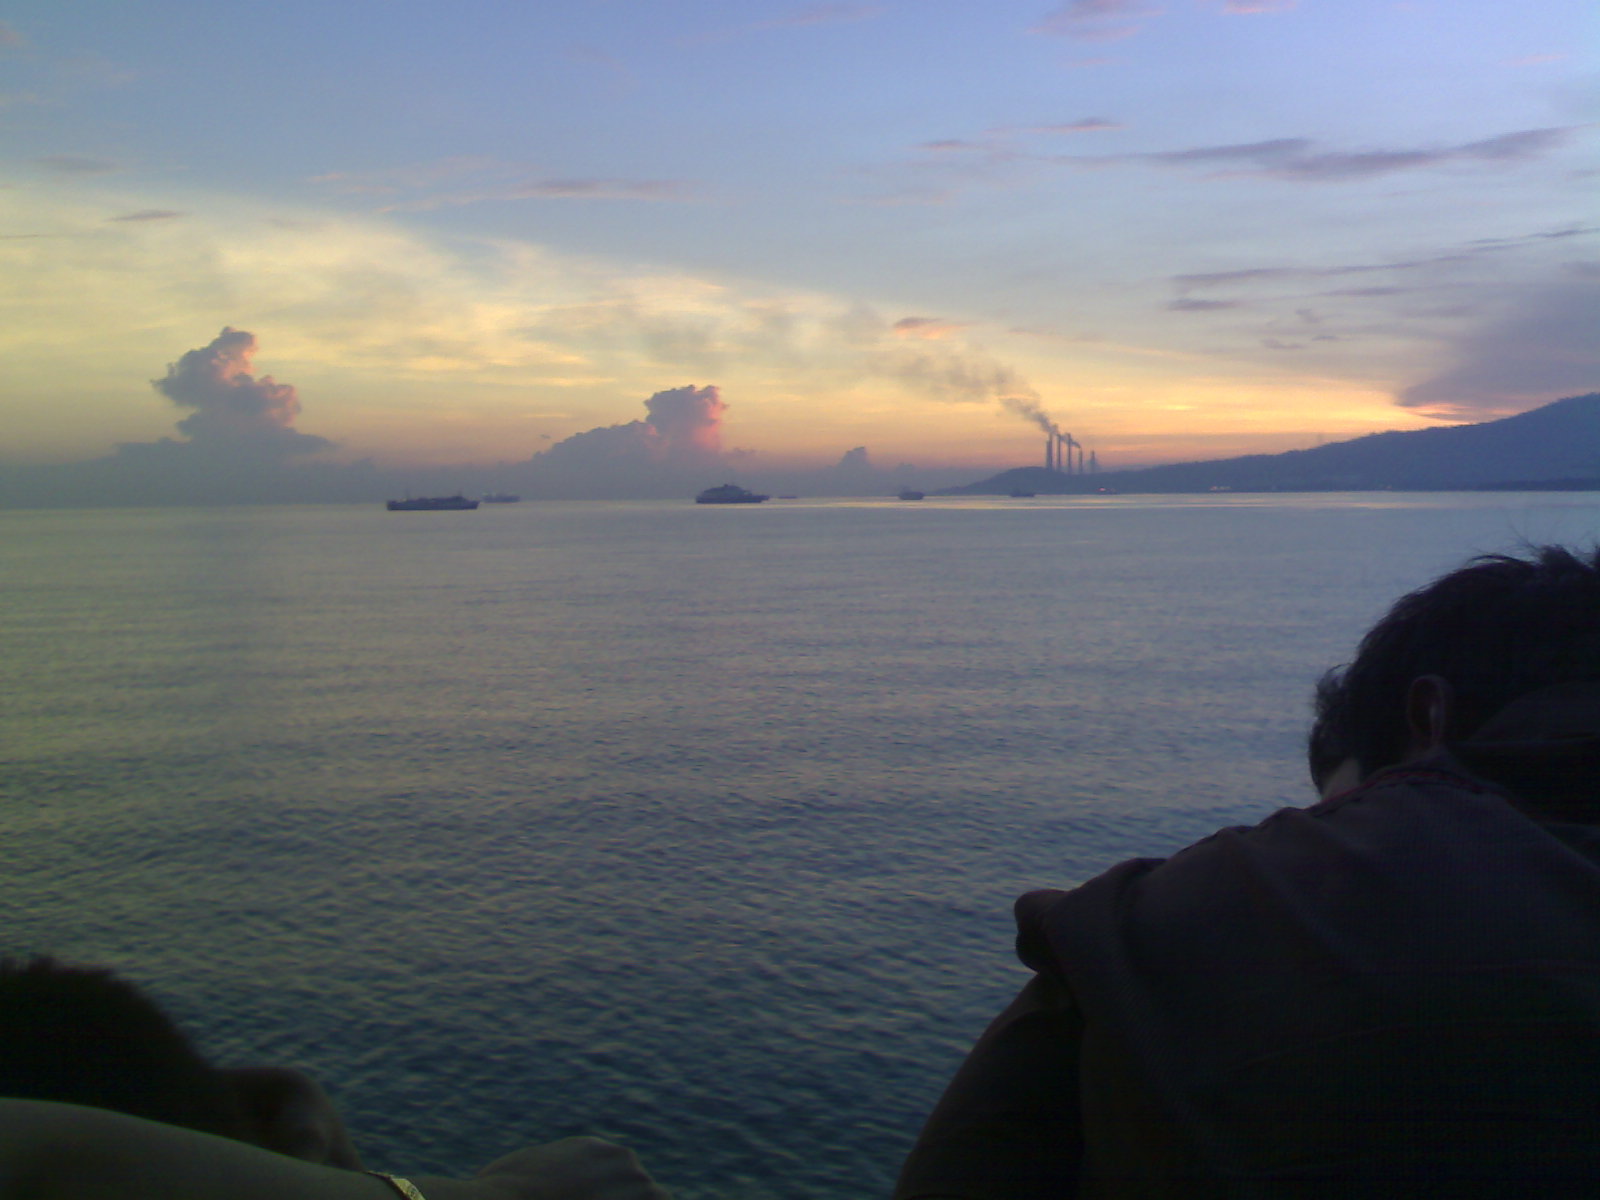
<point x="911" y="494"/>
<point x="729" y="493"/>
<point x="501" y="498"/>
<point x="432" y="503"/>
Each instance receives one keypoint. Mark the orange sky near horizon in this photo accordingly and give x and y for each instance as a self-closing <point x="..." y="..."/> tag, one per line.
<point x="1193" y="232"/>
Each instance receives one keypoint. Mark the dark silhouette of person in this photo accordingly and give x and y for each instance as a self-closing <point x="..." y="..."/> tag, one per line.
<point x="78" y="1044"/>
<point x="1394" y="992"/>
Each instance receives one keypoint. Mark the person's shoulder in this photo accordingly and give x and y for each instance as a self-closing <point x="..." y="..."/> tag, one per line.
<point x="1431" y="776"/>
<point x="1418" y="802"/>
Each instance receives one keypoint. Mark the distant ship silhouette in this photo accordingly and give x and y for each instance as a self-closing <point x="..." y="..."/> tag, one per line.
<point x="432" y="503"/>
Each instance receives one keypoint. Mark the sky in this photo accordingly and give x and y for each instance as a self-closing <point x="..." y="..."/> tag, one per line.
<point x="386" y="235"/>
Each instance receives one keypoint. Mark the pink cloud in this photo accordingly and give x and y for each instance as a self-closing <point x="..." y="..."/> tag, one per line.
<point x="1097" y="20"/>
<point x="682" y="428"/>
<point x="1086" y="125"/>
<point x="232" y="406"/>
<point x="929" y="329"/>
<point x="688" y="419"/>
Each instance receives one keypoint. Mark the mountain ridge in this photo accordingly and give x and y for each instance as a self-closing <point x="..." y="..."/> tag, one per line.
<point x="1556" y="445"/>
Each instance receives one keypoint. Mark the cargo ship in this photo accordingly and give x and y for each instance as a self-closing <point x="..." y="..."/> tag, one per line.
<point x="431" y="503"/>
<point x="729" y="493"/>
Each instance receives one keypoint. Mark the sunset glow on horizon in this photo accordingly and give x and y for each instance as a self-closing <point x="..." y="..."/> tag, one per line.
<point x="469" y="236"/>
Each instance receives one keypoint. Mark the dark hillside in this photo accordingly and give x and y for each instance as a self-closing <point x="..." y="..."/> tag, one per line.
<point x="1559" y="442"/>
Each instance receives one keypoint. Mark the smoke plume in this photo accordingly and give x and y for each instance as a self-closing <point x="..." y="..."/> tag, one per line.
<point x="1028" y="407"/>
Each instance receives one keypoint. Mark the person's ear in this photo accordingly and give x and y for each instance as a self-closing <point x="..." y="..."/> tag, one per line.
<point x="286" y="1111"/>
<point x="1430" y="705"/>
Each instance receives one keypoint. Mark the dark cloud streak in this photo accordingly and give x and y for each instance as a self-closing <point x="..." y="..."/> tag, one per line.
<point x="647" y="190"/>
<point x="1296" y="159"/>
<point x="149" y="214"/>
<point x="1249" y="275"/>
<point x="478" y="180"/>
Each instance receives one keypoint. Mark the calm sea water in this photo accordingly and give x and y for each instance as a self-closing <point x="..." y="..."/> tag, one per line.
<point x="695" y="827"/>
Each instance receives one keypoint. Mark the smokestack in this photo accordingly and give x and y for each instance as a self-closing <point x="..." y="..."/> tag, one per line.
<point x="1049" y="450"/>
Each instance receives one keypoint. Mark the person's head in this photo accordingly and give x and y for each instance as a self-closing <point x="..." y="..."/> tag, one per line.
<point x="1450" y="655"/>
<point x="80" y="1035"/>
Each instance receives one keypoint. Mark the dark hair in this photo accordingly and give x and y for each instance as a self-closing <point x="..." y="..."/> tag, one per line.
<point x="80" y="1035"/>
<point x="1495" y="629"/>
